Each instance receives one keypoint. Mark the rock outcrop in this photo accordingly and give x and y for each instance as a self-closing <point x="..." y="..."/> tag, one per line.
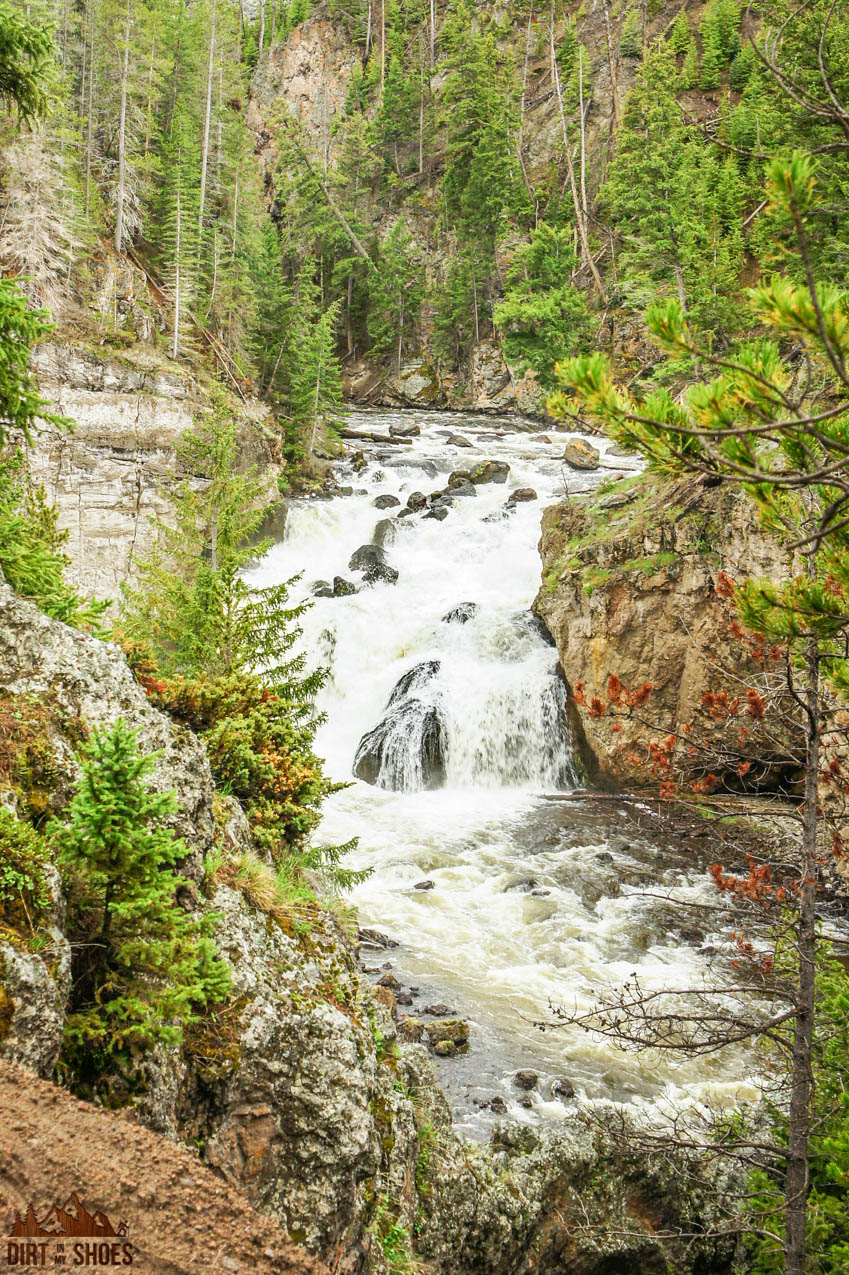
<point x="630" y="580"/>
<point x="107" y="476"/>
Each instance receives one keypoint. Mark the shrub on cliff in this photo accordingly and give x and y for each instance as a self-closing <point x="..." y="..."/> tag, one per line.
<point x="143" y="966"/>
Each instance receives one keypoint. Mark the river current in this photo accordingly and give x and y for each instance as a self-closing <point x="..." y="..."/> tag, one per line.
<point x="531" y="902"/>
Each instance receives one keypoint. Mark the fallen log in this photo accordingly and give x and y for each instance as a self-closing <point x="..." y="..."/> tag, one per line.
<point x="362" y="436"/>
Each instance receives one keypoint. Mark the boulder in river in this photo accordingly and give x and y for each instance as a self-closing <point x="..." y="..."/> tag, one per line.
<point x="343" y="588"/>
<point x="563" y="1089"/>
<point x="410" y="1030"/>
<point x="371" y="560"/>
<point x="416" y="500"/>
<point x="375" y="938"/>
<point x="457" y="440"/>
<point x="580" y="454"/>
<point x="321" y="589"/>
<point x="491" y="471"/>
<point x="459" y="478"/>
<point x="386" y="501"/>
<point x="406" y="750"/>
<point x="445" y="1049"/>
<point x="522" y="494"/>
<point x="406" y="429"/>
<point x="425" y="885"/>
<point x="438" y="512"/>
<point x="439" y="1010"/>
<point x="454" y="1029"/>
<point x="526" y="1079"/>
<point x="498" y="1106"/>
<point x="461" y="614"/>
<point x="385" y="532"/>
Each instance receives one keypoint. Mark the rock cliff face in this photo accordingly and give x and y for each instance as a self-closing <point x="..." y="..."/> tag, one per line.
<point x="630" y="589"/>
<point x="107" y="476"/>
<point x="298" y="1092"/>
<point x="308" y="78"/>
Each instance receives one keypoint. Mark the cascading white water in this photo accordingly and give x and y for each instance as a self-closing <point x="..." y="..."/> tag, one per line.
<point x="532" y="902"/>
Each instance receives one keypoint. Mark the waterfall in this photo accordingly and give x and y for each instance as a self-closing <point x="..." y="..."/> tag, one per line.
<point x="444" y="710"/>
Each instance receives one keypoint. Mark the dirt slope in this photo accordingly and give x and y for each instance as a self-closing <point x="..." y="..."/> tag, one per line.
<point x="180" y="1217"/>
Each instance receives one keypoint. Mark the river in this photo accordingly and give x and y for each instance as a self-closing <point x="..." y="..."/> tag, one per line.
<point x="522" y="902"/>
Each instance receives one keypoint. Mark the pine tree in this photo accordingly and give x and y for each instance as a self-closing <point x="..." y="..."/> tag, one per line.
<point x="679" y="36"/>
<point x="543" y="317"/>
<point x="713" y="53"/>
<point x="315" y="385"/>
<point x="395" y="292"/>
<point x="143" y="966"/>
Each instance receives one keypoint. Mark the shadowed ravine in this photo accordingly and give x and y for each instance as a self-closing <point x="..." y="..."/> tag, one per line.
<point x="532" y="902"/>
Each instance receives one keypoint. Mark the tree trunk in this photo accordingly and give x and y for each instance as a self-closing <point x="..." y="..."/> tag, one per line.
<point x="579" y="216"/>
<point x="382" y="46"/>
<point x="611" y="63"/>
<point x="261" y="25"/>
<point x="584" y="205"/>
<point x="801" y="1078"/>
<point x="122" y="140"/>
<point x="204" y="161"/>
<point x="149" y="110"/>
<point x="432" y="31"/>
<point x="176" y="347"/>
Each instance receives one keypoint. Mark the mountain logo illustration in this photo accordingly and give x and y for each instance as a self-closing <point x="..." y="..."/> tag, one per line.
<point x="72" y="1219"/>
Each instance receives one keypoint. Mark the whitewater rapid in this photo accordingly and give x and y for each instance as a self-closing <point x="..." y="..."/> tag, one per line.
<point x="533" y="902"/>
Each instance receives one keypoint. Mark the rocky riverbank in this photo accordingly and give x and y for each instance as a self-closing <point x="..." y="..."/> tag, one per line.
<point x="632" y="589"/>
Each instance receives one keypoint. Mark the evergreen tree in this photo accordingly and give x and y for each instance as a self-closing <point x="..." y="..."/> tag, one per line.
<point x="679" y="36"/>
<point x="395" y="293"/>
<point x="143" y="966"/>
<point x="315" y="384"/>
<point x="543" y="317"/>
<point x="713" y="53"/>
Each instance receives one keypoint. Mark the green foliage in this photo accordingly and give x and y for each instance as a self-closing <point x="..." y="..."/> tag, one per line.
<point x="315" y="386"/>
<point x="395" y="1242"/>
<point x="31" y="557"/>
<point x="24" y="894"/>
<point x="543" y="316"/>
<point x="20" y="329"/>
<point x="631" y="40"/>
<point x="26" y="51"/>
<point x="143" y="966"/>
<point x="259" y="744"/>
<point x="746" y="424"/>
<point x="395" y="293"/>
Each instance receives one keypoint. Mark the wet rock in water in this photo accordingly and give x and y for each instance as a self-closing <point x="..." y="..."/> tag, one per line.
<point x="439" y="1010"/>
<point x="425" y="885"/>
<point x="375" y="938"/>
<point x="525" y="1102"/>
<point x="526" y="1080"/>
<point x="603" y="856"/>
<point x="385" y="532"/>
<point x="407" y="429"/>
<point x="389" y="980"/>
<point x="457" y="440"/>
<point x="530" y="622"/>
<point x="343" y="588"/>
<point x="521" y="495"/>
<point x="521" y="887"/>
<point x="563" y="1089"/>
<point x="693" y="937"/>
<point x="540" y="894"/>
<point x="461" y="614"/>
<point x="346" y="491"/>
<point x="445" y="1049"/>
<point x="579" y="454"/>
<point x="439" y="513"/>
<point x="455" y="1030"/>
<point x="541" y="438"/>
<point x="411" y="1030"/>
<point x="403" y="998"/>
<point x="413" y="680"/>
<point x="322" y="589"/>
<point x="620" y="845"/>
<point x="385" y="501"/>
<point x="371" y="560"/>
<point x="463" y="490"/>
<point x="406" y="750"/>
<point x="405" y="513"/>
<point x="491" y="471"/>
<point x="459" y="478"/>
<point x="358" y="461"/>
<point x="498" y="1106"/>
<point x="416" y="500"/>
